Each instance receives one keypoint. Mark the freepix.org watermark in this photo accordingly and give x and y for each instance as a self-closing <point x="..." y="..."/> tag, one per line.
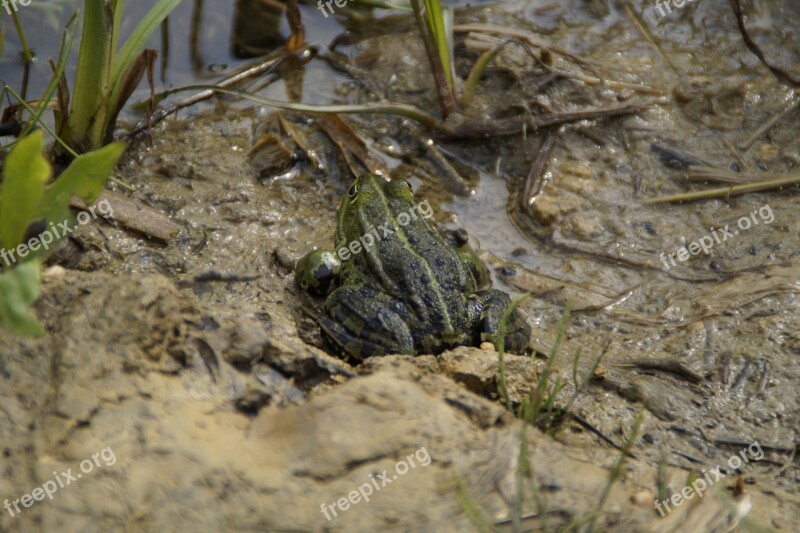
<point x="701" y="484"/>
<point x="62" y="480"/>
<point x="660" y="5"/>
<point x="55" y="232"/>
<point x="13" y="7"/>
<point x="367" y="240"/>
<point x="321" y="7"/>
<point x="706" y="242"/>
<point x="378" y="482"/>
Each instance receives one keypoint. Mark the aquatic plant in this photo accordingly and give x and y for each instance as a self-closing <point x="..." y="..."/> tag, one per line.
<point x="106" y="74"/>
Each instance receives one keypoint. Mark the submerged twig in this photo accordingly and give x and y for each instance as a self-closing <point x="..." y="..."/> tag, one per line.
<point x="649" y="38"/>
<point x="533" y="182"/>
<point x="770" y="122"/>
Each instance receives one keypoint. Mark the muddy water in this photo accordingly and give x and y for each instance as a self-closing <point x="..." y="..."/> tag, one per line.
<point x="226" y="412"/>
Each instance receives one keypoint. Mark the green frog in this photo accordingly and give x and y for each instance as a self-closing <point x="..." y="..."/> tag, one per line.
<point x="396" y="285"/>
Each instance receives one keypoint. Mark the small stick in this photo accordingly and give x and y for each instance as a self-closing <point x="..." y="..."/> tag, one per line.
<point x="734" y="151"/>
<point x="135" y="216"/>
<point x="725" y="192"/>
<point x="762" y="383"/>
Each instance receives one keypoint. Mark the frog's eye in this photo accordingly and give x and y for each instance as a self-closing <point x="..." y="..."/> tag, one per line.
<point x="352" y="192"/>
<point x="410" y="188"/>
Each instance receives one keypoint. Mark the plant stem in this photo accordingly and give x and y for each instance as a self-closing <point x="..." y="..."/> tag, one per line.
<point x="26" y="52"/>
<point x="405" y="110"/>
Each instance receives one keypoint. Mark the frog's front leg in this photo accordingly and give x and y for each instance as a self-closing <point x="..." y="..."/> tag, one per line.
<point x="490" y="306"/>
<point x="364" y="321"/>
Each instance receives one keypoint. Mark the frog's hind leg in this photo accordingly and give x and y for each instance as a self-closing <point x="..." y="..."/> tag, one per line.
<point x="365" y="322"/>
<point x="494" y="306"/>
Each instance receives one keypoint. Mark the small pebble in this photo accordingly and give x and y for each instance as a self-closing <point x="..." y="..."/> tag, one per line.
<point x="54" y="273"/>
<point x="643" y="497"/>
<point x="285" y="258"/>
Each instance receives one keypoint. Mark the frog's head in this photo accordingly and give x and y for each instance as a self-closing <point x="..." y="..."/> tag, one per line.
<point x="371" y="201"/>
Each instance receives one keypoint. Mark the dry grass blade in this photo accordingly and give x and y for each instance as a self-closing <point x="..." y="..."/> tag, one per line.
<point x="298" y="37"/>
<point x="144" y="63"/>
<point x="725" y="192"/>
<point x="348" y="141"/>
<point x="519" y="34"/>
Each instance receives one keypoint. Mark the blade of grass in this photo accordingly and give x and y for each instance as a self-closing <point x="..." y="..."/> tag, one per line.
<point x="87" y="112"/>
<point x="63" y="56"/>
<point x="43" y="124"/>
<point x="501" y="348"/>
<point x="471" y="509"/>
<point x="26" y="51"/>
<point x="477" y="72"/>
<point x="118" y="8"/>
<point x="537" y="396"/>
<point x="441" y="21"/>
<point x="617" y="469"/>
<point x="432" y="27"/>
<point x="135" y="44"/>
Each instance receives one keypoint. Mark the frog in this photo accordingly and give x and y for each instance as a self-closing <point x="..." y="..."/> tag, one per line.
<point x="394" y="284"/>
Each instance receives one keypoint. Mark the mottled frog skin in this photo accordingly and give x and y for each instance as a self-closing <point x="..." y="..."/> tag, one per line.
<point x="400" y="286"/>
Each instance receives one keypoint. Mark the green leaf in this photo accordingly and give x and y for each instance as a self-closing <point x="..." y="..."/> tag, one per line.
<point x="135" y="44"/>
<point x="25" y="172"/>
<point x="85" y="177"/>
<point x="19" y="289"/>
